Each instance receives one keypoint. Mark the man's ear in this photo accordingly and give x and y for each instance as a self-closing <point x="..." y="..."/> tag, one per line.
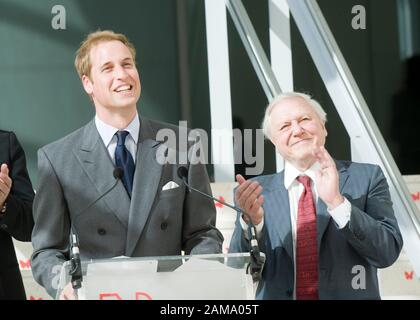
<point x="87" y="84"/>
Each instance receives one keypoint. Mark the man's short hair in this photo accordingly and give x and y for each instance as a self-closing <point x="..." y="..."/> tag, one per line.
<point x="312" y="102"/>
<point x="82" y="62"/>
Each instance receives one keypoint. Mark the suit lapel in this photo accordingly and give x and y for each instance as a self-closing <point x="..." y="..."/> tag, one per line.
<point x="342" y="171"/>
<point x="323" y="217"/>
<point x="145" y="184"/>
<point x="278" y="210"/>
<point x="97" y="164"/>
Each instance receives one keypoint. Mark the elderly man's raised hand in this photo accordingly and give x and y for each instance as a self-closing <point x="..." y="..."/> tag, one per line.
<point x="249" y="198"/>
<point x="327" y="179"/>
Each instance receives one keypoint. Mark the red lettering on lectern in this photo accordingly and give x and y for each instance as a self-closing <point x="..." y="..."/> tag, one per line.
<point x="143" y="296"/>
<point x="25" y="264"/>
<point x="416" y="196"/>
<point x="139" y="295"/>
<point x="217" y="204"/>
<point x="409" y="275"/>
<point x="109" y="296"/>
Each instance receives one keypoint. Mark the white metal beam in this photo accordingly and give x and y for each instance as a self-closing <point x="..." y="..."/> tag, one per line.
<point x="220" y="98"/>
<point x="281" y="51"/>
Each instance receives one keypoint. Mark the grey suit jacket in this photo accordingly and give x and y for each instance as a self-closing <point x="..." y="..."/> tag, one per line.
<point x="348" y="257"/>
<point x="77" y="186"/>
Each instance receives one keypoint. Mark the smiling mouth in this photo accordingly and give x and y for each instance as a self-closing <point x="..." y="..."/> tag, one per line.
<point x="124" y="88"/>
<point x="298" y="142"/>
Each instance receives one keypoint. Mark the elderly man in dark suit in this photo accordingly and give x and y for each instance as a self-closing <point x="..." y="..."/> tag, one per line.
<point x="324" y="225"/>
<point x="144" y="212"/>
<point x="16" y="197"/>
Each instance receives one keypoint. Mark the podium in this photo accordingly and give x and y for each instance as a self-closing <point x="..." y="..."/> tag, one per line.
<point x="195" y="277"/>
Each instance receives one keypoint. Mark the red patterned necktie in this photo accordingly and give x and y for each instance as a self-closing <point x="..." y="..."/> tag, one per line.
<point x="306" y="245"/>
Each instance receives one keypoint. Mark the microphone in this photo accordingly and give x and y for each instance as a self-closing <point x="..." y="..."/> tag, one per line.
<point x="76" y="265"/>
<point x="118" y="173"/>
<point x="257" y="260"/>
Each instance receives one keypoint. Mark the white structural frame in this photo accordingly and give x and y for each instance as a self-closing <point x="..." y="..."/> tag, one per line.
<point x="220" y="98"/>
<point x="281" y="52"/>
<point x="367" y="142"/>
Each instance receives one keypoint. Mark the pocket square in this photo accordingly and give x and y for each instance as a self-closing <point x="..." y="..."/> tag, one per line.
<point x="170" y="185"/>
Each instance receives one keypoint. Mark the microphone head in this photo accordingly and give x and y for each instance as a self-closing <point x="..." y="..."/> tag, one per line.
<point x="183" y="173"/>
<point x="118" y="173"/>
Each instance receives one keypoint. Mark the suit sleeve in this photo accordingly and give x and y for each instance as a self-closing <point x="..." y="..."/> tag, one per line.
<point x="50" y="237"/>
<point x="239" y="241"/>
<point x="373" y="231"/>
<point x="200" y="235"/>
<point x="18" y="216"/>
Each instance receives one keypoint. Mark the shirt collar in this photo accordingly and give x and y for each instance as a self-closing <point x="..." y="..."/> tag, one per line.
<point x="107" y="131"/>
<point x="291" y="173"/>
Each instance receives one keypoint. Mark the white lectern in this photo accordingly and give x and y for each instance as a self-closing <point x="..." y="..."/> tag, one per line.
<point x="196" y="277"/>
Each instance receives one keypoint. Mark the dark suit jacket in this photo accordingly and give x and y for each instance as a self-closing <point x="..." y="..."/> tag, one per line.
<point x="348" y="257"/>
<point x="76" y="184"/>
<point x="17" y="221"/>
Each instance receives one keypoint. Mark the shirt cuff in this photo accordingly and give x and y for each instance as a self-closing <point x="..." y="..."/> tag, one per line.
<point x="258" y="227"/>
<point x="341" y="214"/>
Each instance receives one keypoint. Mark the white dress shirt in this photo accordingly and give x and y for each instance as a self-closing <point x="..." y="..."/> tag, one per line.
<point x="107" y="133"/>
<point x="341" y="214"/>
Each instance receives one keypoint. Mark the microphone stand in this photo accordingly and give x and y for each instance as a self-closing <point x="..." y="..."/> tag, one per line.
<point x="257" y="260"/>
<point x="76" y="265"/>
<point x="75" y="262"/>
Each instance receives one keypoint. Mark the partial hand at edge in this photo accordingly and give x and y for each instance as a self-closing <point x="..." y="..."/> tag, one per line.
<point x="68" y="293"/>
<point x="5" y="183"/>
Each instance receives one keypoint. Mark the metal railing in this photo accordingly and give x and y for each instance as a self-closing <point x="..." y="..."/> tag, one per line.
<point x="254" y="48"/>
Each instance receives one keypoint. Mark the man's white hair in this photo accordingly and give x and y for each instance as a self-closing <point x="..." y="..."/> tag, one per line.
<point x="313" y="103"/>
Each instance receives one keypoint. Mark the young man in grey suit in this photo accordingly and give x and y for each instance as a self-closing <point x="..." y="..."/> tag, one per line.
<point x="324" y="225"/>
<point x="143" y="209"/>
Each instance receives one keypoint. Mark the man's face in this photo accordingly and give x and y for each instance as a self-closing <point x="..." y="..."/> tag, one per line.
<point x="296" y="130"/>
<point x="114" y="81"/>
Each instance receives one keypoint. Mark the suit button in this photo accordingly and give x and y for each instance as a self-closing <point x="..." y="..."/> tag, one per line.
<point x="164" y="225"/>
<point x="3" y="226"/>
<point x="101" y="232"/>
